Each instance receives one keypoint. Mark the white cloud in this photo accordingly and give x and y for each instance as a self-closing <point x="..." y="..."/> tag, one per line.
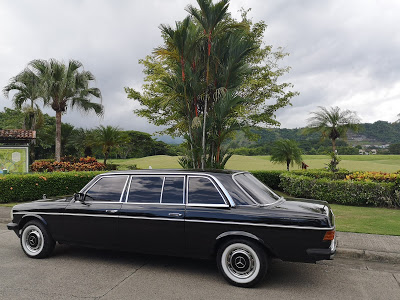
<point x="341" y="53"/>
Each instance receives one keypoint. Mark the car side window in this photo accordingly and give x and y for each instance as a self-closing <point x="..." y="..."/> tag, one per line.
<point x="173" y="190"/>
<point x="107" y="189"/>
<point x="145" y="189"/>
<point x="203" y="191"/>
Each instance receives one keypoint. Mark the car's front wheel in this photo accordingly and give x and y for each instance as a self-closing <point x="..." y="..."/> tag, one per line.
<point x="242" y="262"/>
<point x="36" y="240"/>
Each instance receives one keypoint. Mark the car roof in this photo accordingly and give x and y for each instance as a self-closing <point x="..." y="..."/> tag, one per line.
<point x="175" y="171"/>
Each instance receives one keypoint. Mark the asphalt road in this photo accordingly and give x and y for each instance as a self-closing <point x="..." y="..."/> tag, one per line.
<point x="81" y="273"/>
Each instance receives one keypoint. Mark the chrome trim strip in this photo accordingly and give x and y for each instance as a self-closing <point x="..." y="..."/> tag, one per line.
<point x="162" y="189"/>
<point x="154" y="203"/>
<point x="258" y="224"/>
<point x="129" y="189"/>
<point x="200" y="204"/>
<point x="186" y="220"/>
<point x="207" y="205"/>
<point x="124" y="189"/>
<point x="155" y="218"/>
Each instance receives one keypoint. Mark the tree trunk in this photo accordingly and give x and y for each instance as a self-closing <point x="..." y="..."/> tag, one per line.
<point x="288" y="164"/>
<point x="333" y="145"/>
<point x="58" y="135"/>
<point x="203" y="158"/>
<point x="105" y="158"/>
<point x="203" y="144"/>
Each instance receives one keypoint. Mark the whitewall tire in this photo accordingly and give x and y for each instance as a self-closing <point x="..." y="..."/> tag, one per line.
<point x="242" y="262"/>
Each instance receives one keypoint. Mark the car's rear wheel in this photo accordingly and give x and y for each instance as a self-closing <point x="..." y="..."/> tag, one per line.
<point x="242" y="262"/>
<point x="36" y="240"/>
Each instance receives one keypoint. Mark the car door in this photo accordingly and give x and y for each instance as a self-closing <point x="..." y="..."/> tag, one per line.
<point x="152" y="217"/>
<point x="94" y="221"/>
<point x="206" y="210"/>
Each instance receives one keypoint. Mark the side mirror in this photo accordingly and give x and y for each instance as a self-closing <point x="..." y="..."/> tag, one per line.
<point x="79" y="197"/>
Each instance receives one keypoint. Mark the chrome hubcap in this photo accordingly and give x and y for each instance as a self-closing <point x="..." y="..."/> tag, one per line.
<point x="32" y="240"/>
<point x="240" y="263"/>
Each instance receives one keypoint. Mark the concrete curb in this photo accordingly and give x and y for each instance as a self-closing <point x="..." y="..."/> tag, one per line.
<point x="367" y="255"/>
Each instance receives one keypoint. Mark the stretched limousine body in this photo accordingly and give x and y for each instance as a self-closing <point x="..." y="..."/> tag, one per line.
<point x="227" y="215"/>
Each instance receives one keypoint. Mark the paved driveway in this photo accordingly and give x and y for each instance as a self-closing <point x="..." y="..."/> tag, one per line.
<point x="80" y="273"/>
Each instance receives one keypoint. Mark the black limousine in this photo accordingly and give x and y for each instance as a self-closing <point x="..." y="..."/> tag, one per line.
<point x="226" y="215"/>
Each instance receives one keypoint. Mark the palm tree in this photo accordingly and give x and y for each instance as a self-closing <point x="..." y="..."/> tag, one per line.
<point x="286" y="151"/>
<point x="209" y="16"/>
<point x="63" y="86"/>
<point x="332" y="123"/>
<point x="26" y="85"/>
<point x="108" y="137"/>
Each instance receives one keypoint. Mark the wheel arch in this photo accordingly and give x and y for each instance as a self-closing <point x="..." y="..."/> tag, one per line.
<point x="230" y="235"/>
<point x="29" y="217"/>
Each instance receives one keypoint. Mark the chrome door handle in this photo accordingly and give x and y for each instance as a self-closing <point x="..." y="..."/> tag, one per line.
<point x="175" y="215"/>
<point x="111" y="211"/>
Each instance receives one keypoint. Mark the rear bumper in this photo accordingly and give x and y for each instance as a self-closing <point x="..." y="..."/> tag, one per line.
<point x="14" y="227"/>
<point x="323" y="254"/>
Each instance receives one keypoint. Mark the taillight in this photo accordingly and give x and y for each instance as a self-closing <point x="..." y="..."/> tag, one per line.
<point x="329" y="235"/>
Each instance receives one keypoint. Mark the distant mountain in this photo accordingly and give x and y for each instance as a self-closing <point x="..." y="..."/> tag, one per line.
<point x="378" y="133"/>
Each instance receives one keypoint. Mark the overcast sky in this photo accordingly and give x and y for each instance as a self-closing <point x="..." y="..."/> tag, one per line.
<point x="342" y="53"/>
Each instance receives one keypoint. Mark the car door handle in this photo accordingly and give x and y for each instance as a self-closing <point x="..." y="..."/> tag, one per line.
<point x="175" y="215"/>
<point x="111" y="211"/>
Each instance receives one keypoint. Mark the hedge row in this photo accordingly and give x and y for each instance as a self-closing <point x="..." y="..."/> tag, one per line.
<point x="28" y="187"/>
<point x="270" y="178"/>
<point x="346" y="192"/>
<point x="321" y="173"/>
<point x="310" y="184"/>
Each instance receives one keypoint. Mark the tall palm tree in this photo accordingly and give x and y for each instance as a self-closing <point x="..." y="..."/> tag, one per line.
<point x="65" y="85"/>
<point x="209" y="16"/>
<point x="286" y="151"/>
<point x="332" y="123"/>
<point x="108" y="137"/>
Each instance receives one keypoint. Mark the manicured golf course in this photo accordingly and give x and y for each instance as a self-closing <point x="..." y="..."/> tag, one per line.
<point x="383" y="163"/>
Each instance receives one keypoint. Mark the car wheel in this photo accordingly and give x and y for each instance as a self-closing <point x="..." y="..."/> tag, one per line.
<point x="35" y="240"/>
<point x="242" y="263"/>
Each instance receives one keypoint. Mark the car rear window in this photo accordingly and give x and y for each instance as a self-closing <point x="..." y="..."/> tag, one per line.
<point x="203" y="191"/>
<point x="258" y="191"/>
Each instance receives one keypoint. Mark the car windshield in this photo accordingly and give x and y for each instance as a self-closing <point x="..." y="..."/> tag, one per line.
<point x="256" y="189"/>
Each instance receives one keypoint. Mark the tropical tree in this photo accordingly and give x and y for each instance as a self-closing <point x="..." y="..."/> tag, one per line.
<point x="108" y="137"/>
<point x="332" y="123"/>
<point x="286" y="152"/>
<point x="210" y="78"/>
<point x="61" y="86"/>
<point x="26" y="85"/>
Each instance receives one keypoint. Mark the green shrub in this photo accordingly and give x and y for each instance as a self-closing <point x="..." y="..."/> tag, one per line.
<point x="355" y="193"/>
<point x="111" y="167"/>
<point x="131" y="167"/>
<point x="270" y="178"/>
<point x="322" y="173"/>
<point x="28" y="187"/>
<point x="67" y="164"/>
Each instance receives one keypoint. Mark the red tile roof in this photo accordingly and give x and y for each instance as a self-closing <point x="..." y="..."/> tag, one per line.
<point x="17" y="134"/>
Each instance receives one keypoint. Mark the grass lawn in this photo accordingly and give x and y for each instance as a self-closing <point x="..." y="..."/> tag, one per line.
<point x="367" y="219"/>
<point x="384" y="163"/>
